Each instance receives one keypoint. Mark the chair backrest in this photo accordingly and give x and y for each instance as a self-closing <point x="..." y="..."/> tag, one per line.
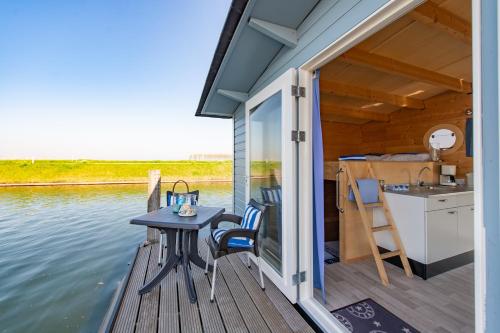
<point x="271" y="195"/>
<point x="170" y="194"/>
<point x="254" y="213"/>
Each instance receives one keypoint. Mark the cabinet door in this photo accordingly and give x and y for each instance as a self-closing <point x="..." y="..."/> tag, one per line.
<point x="442" y="234"/>
<point x="466" y="228"/>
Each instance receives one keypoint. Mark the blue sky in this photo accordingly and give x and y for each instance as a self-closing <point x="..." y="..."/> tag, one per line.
<point x="108" y="79"/>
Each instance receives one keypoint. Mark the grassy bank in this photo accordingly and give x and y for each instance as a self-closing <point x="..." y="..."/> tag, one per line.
<point x="61" y="171"/>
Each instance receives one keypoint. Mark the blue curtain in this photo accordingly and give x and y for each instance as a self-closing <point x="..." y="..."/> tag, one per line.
<point x="469" y="143"/>
<point x="318" y="193"/>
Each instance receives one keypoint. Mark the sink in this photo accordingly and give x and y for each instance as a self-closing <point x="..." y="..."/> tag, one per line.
<point x="430" y="189"/>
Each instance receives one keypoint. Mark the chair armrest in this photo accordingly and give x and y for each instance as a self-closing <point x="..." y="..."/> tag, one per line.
<point x="226" y="218"/>
<point x="235" y="233"/>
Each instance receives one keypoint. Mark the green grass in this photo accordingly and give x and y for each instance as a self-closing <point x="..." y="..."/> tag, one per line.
<point x="62" y="171"/>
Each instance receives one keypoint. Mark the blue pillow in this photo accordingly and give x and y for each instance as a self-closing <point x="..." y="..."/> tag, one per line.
<point x="368" y="189"/>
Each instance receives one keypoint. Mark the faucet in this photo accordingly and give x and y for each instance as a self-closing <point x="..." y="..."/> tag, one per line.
<point x="419" y="182"/>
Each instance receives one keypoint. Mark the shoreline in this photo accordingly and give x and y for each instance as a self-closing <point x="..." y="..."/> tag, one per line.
<point x="126" y="182"/>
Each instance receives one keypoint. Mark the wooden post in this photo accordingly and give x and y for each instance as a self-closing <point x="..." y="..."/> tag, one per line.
<point x="154" y="199"/>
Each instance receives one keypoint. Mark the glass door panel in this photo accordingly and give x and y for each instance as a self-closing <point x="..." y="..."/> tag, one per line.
<point x="271" y="177"/>
<point x="265" y="175"/>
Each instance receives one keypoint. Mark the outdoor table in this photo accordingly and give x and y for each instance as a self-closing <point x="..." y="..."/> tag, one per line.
<point x="166" y="220"/>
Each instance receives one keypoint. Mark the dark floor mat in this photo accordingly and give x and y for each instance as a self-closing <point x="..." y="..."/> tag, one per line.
<point x="369" y="316"/>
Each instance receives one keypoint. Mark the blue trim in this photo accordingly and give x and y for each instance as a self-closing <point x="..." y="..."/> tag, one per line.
<point x="491" y="148"/>
<point x="318" y="194"/>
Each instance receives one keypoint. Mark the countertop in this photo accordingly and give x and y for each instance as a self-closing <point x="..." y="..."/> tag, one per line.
<point x="426" y="191"/>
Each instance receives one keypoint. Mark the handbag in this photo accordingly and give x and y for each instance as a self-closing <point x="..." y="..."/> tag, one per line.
<point x="177" y="199"/>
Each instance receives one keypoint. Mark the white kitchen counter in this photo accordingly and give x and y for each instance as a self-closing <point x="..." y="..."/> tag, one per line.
<point x="437" y="230"/>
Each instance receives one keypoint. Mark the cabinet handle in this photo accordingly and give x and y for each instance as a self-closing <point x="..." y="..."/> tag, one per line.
<point x="337" y="178"/>
<point x="451" y="212"/>
<point x="472" y="209"/>
<point x="442" y="200"/>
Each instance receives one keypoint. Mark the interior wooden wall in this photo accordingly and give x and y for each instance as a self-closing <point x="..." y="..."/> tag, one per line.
<point x="341" y="139"/>
<point x="403" y="133"/>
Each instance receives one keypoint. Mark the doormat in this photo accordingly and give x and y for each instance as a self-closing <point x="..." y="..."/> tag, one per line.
<point x="331" y="253"/>
<point x="369" y="316"/>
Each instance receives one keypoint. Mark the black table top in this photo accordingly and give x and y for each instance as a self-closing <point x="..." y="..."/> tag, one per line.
<point x="166" y="218"/>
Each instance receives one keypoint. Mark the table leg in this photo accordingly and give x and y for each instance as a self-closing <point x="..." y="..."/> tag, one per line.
<point x="194" y="256"/>
<point x="185" y="266"/>
<point x="171" y="262"/>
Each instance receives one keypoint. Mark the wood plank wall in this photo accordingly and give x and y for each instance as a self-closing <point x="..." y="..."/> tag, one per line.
<point x="341" y="139"/>
<point x="403" y="133"/>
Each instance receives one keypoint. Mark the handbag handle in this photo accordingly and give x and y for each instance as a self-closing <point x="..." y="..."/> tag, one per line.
<point x="180" y="181"/>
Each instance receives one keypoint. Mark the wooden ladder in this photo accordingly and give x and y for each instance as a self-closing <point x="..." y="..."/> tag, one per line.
<point x="370" y="229"/>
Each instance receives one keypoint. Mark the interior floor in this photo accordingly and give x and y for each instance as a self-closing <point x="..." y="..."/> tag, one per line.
<point x="444" y="303"/>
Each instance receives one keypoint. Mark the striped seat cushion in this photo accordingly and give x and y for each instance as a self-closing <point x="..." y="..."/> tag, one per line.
<point x="233" y="241"/>
<point x="251" y="220"/>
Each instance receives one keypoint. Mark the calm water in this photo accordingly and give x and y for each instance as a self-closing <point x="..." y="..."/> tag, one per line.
<point x="64" y="249"/>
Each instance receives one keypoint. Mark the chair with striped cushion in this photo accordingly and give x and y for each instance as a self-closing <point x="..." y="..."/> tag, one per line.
<point x="224" y="241"/>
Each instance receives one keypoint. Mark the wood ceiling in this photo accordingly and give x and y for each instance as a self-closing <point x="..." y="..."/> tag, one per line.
<point x="423" y="54"/>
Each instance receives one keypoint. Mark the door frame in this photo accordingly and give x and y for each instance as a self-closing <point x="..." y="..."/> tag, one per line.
<point x="388" y="13"/>
<point x="288" y="176"/>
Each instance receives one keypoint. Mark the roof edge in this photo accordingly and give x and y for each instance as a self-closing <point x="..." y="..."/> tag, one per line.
<point x="232" y="21"/>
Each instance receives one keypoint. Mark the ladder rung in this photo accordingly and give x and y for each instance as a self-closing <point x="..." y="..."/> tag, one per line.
<point x="382" y="228"/>
<point x="390" y="254"/>
<point x="375" y="204"/>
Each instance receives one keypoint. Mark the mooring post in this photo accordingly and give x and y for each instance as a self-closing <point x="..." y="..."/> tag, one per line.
<point x="154" y="199"/>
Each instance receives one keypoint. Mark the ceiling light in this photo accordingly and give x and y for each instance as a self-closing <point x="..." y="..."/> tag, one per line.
<point x="371" y="105"/>
<point x="415" y="93"/>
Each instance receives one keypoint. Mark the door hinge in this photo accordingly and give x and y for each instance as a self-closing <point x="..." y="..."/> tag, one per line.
<point x="298" y="278"/>
<point x="298" y="91"/>
<point x="298" y="136"/>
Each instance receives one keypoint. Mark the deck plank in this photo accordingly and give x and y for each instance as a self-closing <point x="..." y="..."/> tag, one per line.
<point x="129" y="307"/>
<point x="209" y="312"/>
<point x="271" y="315"/>
<point x="168" y="321"/>
<point x="240" y="305"/>
<point x="147" y="319"/>
<point x="296" y="322"/>
<point x="231" y="316"/>
<point x="247" y="308"/>
<point x="189" y="313"/>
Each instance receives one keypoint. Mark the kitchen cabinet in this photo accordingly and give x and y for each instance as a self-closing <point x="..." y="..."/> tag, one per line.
<point x="466" y="228"/>
<point x="437" y="231"/>
<point x="442" y="234"/>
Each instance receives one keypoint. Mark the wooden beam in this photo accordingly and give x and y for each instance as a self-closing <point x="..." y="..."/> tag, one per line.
<point x="329" y="112"/>
<point x="392" y="66"/>
<point x="344" y="90"/>
<point x="430" y="13"/>
<point x="234" y="95"/>
<point x="154" y="201"/>
<point x="284" y="35"/>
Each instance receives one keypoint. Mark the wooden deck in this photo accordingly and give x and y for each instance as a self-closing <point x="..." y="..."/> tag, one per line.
<point x="240" y="304"/>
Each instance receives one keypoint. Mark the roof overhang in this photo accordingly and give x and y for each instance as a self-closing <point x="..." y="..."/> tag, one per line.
<point x="254" y="33"/>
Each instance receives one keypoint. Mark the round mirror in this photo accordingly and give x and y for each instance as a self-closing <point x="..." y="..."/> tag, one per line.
<point x="442" y="139"/>
<point x="445" y="137"/>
